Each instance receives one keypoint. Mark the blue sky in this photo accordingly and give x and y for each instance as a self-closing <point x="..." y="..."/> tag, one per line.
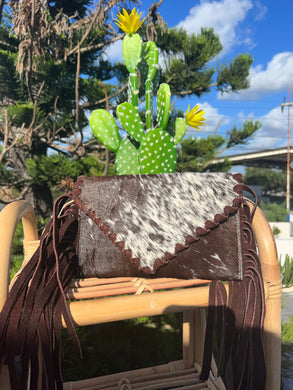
<point x="261" y="28"/>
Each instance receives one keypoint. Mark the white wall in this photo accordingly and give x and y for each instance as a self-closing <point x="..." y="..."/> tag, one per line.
<point x="285" y="228"/>
<point x="284" y="240"/>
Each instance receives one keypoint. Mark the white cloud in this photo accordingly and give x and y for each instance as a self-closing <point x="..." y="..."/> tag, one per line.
<point x="114" y="52"/>
<point x="224" y="16"/>
<point x="274" y="78"/>
<point x="273" y="133"/>
<point x="261" y="11"/>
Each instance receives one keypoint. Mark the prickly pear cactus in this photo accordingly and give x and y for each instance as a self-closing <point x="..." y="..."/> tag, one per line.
<point x="158" y="152"/>
<point x="127" y="158"/>
<point x="146" y="148"/>
<point x="163" y="105"/>
<point x="105" y="129"/>
<point x="130" y="121"/>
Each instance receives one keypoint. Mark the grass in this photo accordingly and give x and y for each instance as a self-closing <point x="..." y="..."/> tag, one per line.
<point x="287" y="354"/>
<point x="122" y="346"/>
<point x="286" y="271"/>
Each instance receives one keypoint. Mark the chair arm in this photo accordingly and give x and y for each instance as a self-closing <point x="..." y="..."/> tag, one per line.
<point x="9" y="218"/>
<point x="273" y="292"/>
<point x="267" y="248"/>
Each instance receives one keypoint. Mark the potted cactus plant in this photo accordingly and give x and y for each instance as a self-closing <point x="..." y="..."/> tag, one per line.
<point x="148" y="147"/>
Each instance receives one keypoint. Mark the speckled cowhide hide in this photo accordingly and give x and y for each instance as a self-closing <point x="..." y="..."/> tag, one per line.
<point x="172" y="225"/>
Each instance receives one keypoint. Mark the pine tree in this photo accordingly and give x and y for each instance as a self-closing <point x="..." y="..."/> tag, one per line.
<point x="199" y="154"/>
<point x="52" y="75"/>
<point x="49" y="64"/>
<point x="271" y="180"/>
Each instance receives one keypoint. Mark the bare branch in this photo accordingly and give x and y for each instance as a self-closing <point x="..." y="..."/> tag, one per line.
<point x="8" y="45"/>
<point x="95" y="16"/>
<point x="40" y="90"/>
<point x="20" y="197"/>
<point x="89" y="105"/>
<point x="2" y="3"/>
<point x="55" y="116"/>
<point x="60" y="148"/>
<point x="103" y="44"/>
<point x="217" y="127"/>
<point x="190" y="92"/>
<point x="31" y="129"/>
<point x="6" y="147"/>
<point x="77" y="86"/>
<point x="170" y="78"/>
<point x="175" y="100"/>
<point x="218" y="154"/>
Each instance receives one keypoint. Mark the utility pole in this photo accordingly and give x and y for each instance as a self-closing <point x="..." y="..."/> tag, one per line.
<point x="288" y="104"/>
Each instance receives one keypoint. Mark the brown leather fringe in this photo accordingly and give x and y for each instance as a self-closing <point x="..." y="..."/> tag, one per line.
<point x="35" y="300"/>
<point x="235" y="323"/>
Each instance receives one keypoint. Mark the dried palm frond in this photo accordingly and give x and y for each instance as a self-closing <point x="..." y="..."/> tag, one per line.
<point x="65" y="184"/>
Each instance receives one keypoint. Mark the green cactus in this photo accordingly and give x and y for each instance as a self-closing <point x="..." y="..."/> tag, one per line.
<point x="127" y="158"/>
<point x="158" y="153"/>
<point x="180" y="130"/>
<point x="148" y="150"/>
<point x="163" y="105"/>
<point x="131" y="49"/>
<point x="150" y="56"/>
<point x="130" y="120"/>
<point x="105" y="129"/>
<point x="151" y="151"/>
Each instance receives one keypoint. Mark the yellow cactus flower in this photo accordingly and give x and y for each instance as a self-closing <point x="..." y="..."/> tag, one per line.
<point x="194" y="117"/>
<point x="129" y="23"/>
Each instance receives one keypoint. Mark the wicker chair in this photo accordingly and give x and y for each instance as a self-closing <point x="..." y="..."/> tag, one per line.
<point x="125" y="298"/>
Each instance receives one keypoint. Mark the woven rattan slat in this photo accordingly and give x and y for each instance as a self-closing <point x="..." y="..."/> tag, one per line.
<point x="146" y="379"/>
<point x="96" y="288"/>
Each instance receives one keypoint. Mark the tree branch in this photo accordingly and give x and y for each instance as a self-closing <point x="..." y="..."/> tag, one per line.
<point x="77" y="91"/>
<point x="20" y="197"/>
<point x="2" y="3"/>
<point x="31" y="129"/>
<point x="103" y="44"/>
<point x="190" y="91"/>
<point x="55" y="116"/>
<point x="6" y="147"/>
<point x="89" y="29"/>
<point x="8" y="45"/>
<point x="89" y="105"/>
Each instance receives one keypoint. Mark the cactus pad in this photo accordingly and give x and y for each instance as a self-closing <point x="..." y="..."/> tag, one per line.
<point x="150" y="54"/>
<point x="158" y="152"/>
<point x="127" y="159"/>
<point x="105" y="129"/>
<point x="180" y="130"/>
<point x="131" y="49"/>
<point x="163" y="105"/>
<point x="131" y="121"/>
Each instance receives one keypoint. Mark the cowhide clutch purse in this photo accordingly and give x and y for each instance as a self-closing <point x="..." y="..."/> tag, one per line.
<point x="177" y="225"/>
<point x="189" y="225"/>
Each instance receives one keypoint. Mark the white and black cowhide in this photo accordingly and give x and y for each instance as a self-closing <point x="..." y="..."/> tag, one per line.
<point x="150" y="218"/>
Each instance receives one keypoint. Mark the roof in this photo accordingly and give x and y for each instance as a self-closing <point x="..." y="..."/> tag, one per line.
<point x="269" y="158"/>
